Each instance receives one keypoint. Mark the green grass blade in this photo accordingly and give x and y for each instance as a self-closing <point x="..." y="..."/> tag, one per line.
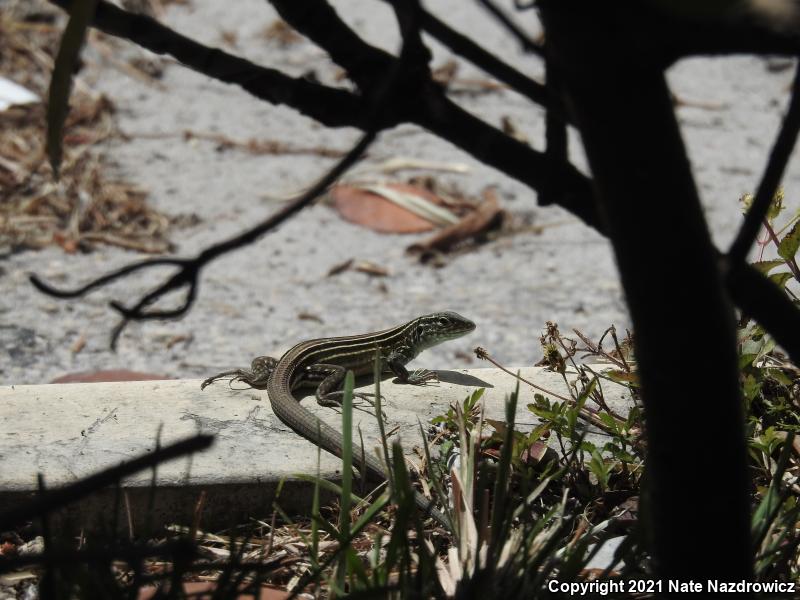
<point x="346" y="497"/>
<point x="315" y="504"/>
<point x="434" y="478"/>
<point x="769" y="507"/>
<point x="500" y="522"/>
<point x="376" y="373"/>
<point x="80" y="15"/>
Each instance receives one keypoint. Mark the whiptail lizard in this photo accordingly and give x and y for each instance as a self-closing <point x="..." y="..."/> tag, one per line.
<point x="324" y="363"/>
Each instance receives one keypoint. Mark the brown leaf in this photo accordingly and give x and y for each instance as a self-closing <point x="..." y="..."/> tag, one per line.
<point x="372" y="210"/>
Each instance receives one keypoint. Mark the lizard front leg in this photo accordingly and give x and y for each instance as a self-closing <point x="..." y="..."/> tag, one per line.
<point x="257" y="377"/>
<point x="396" y="362"/>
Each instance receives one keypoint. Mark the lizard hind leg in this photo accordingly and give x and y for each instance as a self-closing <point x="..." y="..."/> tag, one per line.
<point x="257" y="377"/>
<point x="260" y="371"/>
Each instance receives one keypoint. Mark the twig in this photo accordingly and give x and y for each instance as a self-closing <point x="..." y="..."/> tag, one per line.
<point x="528" y="45"/>
<point x="330" y="106"/>
<point x="597" y="349"/>
<point x="479" y="56"/>
<point x="335" y="108"/>
<point x="585" y="413"/>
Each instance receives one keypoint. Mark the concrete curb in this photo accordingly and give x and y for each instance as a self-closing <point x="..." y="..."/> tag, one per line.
<point x="70" y="431"/>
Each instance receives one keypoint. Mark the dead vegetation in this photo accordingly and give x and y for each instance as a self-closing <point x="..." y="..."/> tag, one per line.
<point x="86" y="206"/>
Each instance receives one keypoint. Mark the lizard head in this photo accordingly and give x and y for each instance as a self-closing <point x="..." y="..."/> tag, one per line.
<point x="440" y="327"/>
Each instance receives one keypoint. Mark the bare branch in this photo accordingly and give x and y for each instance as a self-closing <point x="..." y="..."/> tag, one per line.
<point x="491" y="146"/>
<point x="528" y="45"/>
<point x="743" y="35"/>
<point x="46" y="288"/>
<point x="480" y="57"/>
<point x="556" y="137"/>
<point x="318" y="21"/>
<point x="329" y="106"/>
<point x="337" y="108"/>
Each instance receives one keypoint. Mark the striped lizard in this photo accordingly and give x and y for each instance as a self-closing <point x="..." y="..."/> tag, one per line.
<point x="324" y="362"/>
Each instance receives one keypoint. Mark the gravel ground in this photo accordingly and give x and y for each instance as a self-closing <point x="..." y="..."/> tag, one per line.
<point x="249" y="301"/>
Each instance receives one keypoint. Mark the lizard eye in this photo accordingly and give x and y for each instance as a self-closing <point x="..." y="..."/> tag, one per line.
<point x="444" y="321"/>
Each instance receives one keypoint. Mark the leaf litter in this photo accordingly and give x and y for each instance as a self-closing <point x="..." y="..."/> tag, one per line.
<point x="86" y="206"/>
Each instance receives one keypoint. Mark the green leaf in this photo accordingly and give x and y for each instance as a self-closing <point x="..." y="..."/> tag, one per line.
<point x="790" y="243"/>
<point x="471" y="400"/>
<point x="779" y="376"/>
<point x="586" y="392"/>
<point x="776" y="206"/>
<point x="80" y="15"/>
<point x="599" y="468"/>
<point x="346" y="498"/>
<point x="609" y="422"/>
<point x="767" y="347"/>
<point x="765" y="266"/>
<point x="780" y="279"/>
<point x="767" y="510"/>
<point x="751" y="387"/>
<point x="746" y="359"/>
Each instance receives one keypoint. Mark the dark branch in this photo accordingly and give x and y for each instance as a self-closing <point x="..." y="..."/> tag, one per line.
<point x="318" y="21"/>
<point x="480" y="57"/>
<point x="491" y="146"/>
<point x="528" y="45"/>
<point x="555" y="128"/>
<point x="742" y="35"/>
<point x="329" y="106"/>
<point x="667" y="32"/>
<point x="773" y="173"/>
<point x="46" y="288"/>
<point x="335" y="108"/>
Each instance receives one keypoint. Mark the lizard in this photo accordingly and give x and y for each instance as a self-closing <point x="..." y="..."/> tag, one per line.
<point x="324" y="362"/>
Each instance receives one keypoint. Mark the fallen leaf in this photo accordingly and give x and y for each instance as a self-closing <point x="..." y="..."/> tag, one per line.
<point x="369" y="209"/>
